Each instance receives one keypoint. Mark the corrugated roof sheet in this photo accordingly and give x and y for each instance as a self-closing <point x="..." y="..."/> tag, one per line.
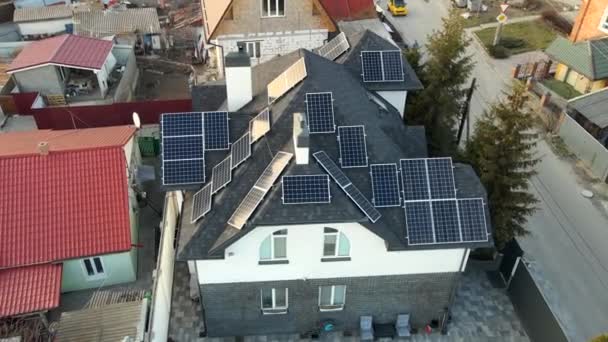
<point x="110" y="323"/>
<point x="99" y="23"/>
<point x="41" y="13"/>
<point x="29" y="289"/>
<point x="68" y="204"/>
<point x="589" y="58"/>
<point x="70" y="50"/>
<point x="593" y="106"/>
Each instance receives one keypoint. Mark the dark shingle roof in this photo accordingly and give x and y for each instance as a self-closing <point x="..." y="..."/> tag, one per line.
<point x="388" y="139"/>
<point x="593" y="106"/>
<point x="589" y="58"/>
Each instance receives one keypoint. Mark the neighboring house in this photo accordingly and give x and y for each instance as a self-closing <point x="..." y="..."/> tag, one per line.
<point x="591" y="21"/>
<point x="69" y="214"/>
<point x="77" y="68"/>
<point x="266" y="28"/>
<point x="41" y="22"/>
<point x="127" y="25"/>
<point x="583" y="65"/>
<point x="590" y="111"/>
<point x="266" y="262"/>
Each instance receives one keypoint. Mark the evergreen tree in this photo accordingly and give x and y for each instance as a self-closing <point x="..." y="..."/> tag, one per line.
<point x="502" y="152"/>
<point x="443" y="75"/>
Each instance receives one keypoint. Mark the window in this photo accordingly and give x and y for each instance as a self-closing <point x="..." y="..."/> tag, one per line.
<point x="274" y="301"/>
<point x="273" y="8"/>
<point x="331" y="298"/>
<point x="93" y="268"/>
<point x="335" y="244"/>
<point x="604" y="22"/>
<point x="253" y="48"/>
<point x="274" y="247"/>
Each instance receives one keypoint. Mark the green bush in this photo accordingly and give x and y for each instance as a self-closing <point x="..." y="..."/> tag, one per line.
<point x="498" y="52"/>
<point x="601" y="338"/>
<point x="512" y="43"/>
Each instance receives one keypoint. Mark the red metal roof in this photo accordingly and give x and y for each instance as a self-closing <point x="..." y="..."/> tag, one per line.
<point x="69" y="50"/>
<point x="70" y="203"/>
<point x="29" y="289"/>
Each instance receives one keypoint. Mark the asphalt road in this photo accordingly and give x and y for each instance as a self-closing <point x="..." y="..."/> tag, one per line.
<point x="569" y="233"/>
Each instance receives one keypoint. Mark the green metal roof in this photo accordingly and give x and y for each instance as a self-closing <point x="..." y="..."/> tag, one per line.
<point x="589" y="58"/>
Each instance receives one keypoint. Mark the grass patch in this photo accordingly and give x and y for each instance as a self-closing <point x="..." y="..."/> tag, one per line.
<point x="534" y="35"/>
<point x="562" y="89"/>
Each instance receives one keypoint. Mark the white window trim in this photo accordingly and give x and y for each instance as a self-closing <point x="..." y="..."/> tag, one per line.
<point x="275" y="310"/>
<point x="337" y="248"/>
<point x="604" y="23"/>
<point x="97" y="275"/>
<point x="273" y="257"/>
<point x="333" y="306"/>
<point x="253" y="44"/>
<point x="277" y="15"/>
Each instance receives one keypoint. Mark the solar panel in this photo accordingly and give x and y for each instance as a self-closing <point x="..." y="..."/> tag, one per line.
<point x="346" y="185"/>
<point x="222" y="174"/>
<point x="335" y="47"/>
<point x="385" y="185"/>
<point x="331" y="168"/>
<point x="201" y="202"/>
<point x="392" y="64"/>
<point x="372" y="66"/>
<point x="382" y="66"/>
<point x="362" y="202"/>
<point x="259" y="189"/>
<point x="287" y="80"/>
<point x="441" y="178"/>
<point x="414" y="179"/>
<point x="320" y="112"/>
<point x="353" y="152"/>
<point x="260" y="125"/>
<point x="183" y="148"/>
<point x="240" y="150"/>
<point x="447" y="225"/>
<point x="306" y="189"/>
<point x="419" y="223"/>
<point x="472" y="219"/>
<point x="216" y="130"/>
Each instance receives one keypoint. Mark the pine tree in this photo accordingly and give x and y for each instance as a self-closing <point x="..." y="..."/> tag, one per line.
<point x="502" y="152"/>
<point x="443" y="75"/>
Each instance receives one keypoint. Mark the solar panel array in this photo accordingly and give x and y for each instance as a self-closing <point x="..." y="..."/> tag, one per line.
<point x="382" y="66"/>
<point x="385" y="185"/>
<point x="259" y="125"/>
<point x="335" y="47"/>
<point x="306" y="189"/>
<point x="201" y="202"/>
<point x="259" y="189"/>
<point x="240" y="150"/>
<point x="287" y="80"/>
<point x="183" y="148"/>
<point x="221" y="174"/>
<point x="433" y="213"/>
<point x="216" y="130"/>
<point x="320" y="112"/>
<point x="353" y="151"/>
<point x="347" y="186"/>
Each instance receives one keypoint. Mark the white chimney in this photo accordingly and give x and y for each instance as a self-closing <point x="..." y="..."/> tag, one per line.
<point x="239" y="83"/>
<point x="43" y="148"/>
<point x="301" y="140"/>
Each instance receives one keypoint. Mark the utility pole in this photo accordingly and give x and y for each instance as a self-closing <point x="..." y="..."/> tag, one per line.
<point x="464" y="112"/>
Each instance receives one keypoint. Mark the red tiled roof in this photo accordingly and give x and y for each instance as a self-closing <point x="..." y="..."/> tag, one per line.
<point x="70" y="203"/>
<point x="70" y="50"/>
<point x="29" y="289"/>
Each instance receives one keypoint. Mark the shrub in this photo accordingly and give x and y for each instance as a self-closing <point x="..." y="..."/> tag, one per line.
<point x="512" y="43"/>
<point x="498" y="52"/>
<point x="601" y="338"/>
<point x="557" y="21"/>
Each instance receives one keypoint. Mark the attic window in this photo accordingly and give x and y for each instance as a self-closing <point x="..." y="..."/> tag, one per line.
<point x="273" y="8"/>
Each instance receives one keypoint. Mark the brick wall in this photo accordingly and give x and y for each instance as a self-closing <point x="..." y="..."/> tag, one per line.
<point x="587" y="23"/>
<point x="234" y="309"/>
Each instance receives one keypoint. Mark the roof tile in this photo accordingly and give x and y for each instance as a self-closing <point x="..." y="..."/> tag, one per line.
<point x="29" y="289"/>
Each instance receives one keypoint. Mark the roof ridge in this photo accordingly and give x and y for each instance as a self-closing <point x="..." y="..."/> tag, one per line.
<point x="84" y="149"/>
<point x="59" y="46"/>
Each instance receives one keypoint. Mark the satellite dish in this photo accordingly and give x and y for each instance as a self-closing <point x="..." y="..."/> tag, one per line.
<point x="136" y="120"/>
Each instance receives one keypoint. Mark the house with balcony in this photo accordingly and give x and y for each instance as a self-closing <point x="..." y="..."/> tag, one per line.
<point x="311" y="205"/>
<point x="69" y="215"/>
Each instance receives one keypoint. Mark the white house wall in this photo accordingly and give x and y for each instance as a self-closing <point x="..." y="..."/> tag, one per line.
<point x="48" y="27"/>
<point x="368" y="253"/>
<point x="395" y="98"/>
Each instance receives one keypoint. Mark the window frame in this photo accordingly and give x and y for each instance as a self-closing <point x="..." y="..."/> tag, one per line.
<point x="274" y="310"/>
<point x="257" y="48"/>
<point x="332" y="306"/>
<point x="276" y="13"/>
<point x="97" y="275"/>
<point x="279" y="234"/>
<point x="604" y="22"/>
<point x="339" y="241"/>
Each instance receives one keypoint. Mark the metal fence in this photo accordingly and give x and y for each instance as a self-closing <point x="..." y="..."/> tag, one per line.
<point x="585" y="146"/>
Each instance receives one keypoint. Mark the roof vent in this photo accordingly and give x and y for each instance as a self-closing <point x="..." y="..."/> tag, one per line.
<point x="43" y="148"/>
<point x="301" y="140"/>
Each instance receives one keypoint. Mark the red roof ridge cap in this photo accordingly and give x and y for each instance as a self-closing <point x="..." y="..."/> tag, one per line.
<point x="51" y="152"/>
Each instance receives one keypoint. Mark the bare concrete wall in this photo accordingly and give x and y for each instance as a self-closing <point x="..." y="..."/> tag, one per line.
<point x="585" y="146"/>
<point x="45" y="80"/>
<point x="128" y="83"/>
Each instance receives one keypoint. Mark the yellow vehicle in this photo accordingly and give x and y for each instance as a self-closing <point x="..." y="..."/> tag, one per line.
<point x="397" y="7"/>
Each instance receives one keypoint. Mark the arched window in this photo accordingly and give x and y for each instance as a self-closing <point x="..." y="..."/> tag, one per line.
<point x="274" y="247"/>
<point x="335" y="244"/>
